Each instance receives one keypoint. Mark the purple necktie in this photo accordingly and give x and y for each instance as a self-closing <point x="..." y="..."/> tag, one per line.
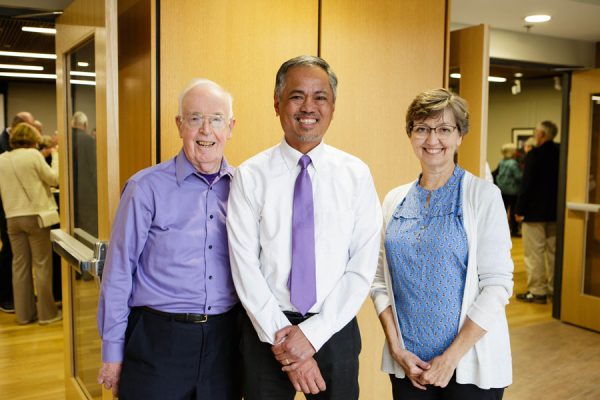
<point x="302" y="281"/>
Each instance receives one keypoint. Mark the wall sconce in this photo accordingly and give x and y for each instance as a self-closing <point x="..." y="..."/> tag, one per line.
<point x="557" y="84"/>
<point x="516" y="87"/>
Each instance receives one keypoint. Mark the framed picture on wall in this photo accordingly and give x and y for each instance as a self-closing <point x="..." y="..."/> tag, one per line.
<point x="520" y="136"/>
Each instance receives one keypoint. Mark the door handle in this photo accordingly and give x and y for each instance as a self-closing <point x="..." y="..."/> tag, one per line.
<point x="586" y="207"/>
<point x="81" y="257"/>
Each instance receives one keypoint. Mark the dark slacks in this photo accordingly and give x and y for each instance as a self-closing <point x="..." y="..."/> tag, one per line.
<point x="6" y="287"/>
<point x="167" y="359"/>
<point x="337" y="360"/>
<point x="403" y="389"/>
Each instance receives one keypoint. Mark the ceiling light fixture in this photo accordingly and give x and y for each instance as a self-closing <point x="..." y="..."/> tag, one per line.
<point x="28" y="55"/>
<point x="82" y="64"/>
<point x="518" y="75"/>
<point x="80" y="82"/>
<point x="81" y="73"/>
<point x="22" y="67"/>
<point x="46" y="31"/>
<point x="28" y="75"/>
<point x="533" y="19"/>
<point x="490" y="78"/>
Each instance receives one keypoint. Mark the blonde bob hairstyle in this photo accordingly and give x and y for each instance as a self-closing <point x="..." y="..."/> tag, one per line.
<point x="24" y="135"/>
<point x="432" y="103"/>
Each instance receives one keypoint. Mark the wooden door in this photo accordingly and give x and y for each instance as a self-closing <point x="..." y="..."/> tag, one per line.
<point x="580" y="301"/>
<point x="89" y="184"/>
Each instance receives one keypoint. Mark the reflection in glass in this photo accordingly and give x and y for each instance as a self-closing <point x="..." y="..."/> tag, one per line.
<point x="83" y="139"/>
<point x="86" y="339"/>
<point x="591" y="281"/>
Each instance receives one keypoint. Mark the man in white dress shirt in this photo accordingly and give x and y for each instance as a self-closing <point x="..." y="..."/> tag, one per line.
<point x="302" y="334"/>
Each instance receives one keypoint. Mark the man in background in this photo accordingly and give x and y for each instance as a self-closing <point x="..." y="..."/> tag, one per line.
<point x="536" y="209"/>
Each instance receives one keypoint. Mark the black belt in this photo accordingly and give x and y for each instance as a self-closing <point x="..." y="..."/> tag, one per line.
<point x="190" y="318"/>
<point x="295" y="317"/>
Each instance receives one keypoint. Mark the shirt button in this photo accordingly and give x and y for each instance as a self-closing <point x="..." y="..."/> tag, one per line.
<point x="211" y="216"/>
<point x="210" y="246"/>
<point x="210" y="277"/>
<point x="209" y="307"/>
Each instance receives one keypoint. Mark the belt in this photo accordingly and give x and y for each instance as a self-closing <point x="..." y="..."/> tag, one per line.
<point x="295" y="317"/>
<point x="190" y="318"/>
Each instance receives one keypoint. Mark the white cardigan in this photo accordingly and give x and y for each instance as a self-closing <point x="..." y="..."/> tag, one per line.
<point x="488" y="284"/>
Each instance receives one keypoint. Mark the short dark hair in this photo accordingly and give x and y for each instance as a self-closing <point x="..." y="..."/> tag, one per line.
<point x="431" y="103"/>
<point x="550" y="129"/>
<point x="304" y="61"/>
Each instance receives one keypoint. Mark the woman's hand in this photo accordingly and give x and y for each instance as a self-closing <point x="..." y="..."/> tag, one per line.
<point x="412" y="365"/>
<point x="442" y="369"/>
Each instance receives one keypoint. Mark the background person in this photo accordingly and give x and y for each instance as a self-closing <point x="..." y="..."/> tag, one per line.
<point x="509" y="180"/>
<point x="25" y="190"/>
<point x="536" y="209"/>
<point x="167" y="311"/>
<point x="303" y="223"/>
<point x="445" y="272"/>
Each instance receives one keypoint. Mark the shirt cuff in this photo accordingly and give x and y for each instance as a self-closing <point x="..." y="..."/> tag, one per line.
<point x="112" y="352"/>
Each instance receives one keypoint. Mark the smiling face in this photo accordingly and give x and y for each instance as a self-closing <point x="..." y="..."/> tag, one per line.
<point x="305" y="107"/>
<point x="435" y="154"/>
<point x="204" y="146"/>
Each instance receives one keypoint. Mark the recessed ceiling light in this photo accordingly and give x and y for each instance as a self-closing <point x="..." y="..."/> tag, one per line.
<point x="22" y="67"/>
<point x="47" y="31"/>
<point x="82" y="64"/>
<point x="518" y="75"/>
<point x="30" y="55"/>
<point x="537" y="18"/>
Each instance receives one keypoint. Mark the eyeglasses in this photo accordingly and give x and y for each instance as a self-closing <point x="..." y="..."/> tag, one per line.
<point x="423" y="131"/>
<point x="194" y="121"/>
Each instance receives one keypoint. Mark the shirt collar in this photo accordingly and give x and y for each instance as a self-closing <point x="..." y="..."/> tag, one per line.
<point x="184" y="168"/>
<point x="291" y="156"/>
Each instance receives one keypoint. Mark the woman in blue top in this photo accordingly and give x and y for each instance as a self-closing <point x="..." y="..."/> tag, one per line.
<point x="445" y="272"/>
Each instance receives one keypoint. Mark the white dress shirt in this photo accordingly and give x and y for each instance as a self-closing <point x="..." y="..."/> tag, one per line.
<point x="347" y="226"/>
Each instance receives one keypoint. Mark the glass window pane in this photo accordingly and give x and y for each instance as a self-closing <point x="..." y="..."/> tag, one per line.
<point x="591" y="282"/>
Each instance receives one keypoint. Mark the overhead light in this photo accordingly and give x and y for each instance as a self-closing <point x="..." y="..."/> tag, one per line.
<point x="22" y="67"/>
<point x="47" y="31"/>
<point x="28" y="75"/>
<point x="518" y="75"/>
<point x="81" y="73"/>
<point x="516" y="87"/>
<point x="80" y="82"/>
<point x="537" y="18"/>
<point x="28" y="55"/>
<point x="490" y="78"/>
<point x="596" y="99"/>
<point x="82" y="64"/>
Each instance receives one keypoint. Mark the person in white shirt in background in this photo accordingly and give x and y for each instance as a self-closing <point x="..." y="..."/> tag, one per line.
<point x="287" y="348"/>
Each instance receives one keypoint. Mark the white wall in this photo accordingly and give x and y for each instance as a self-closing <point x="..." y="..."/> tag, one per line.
<point x="537" y="101"/>
<point x="37" y="98"/>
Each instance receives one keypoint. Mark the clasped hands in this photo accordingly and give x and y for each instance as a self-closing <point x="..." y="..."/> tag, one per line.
<point x="437" y="372"/>
<point x="293" y="350"/>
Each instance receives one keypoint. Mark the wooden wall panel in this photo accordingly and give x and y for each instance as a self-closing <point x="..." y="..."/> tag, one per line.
<point x="136" y="107"/>
<point x="383" y="55"/>
<point x="240" y="45"/>
<point x="469" y="52"/>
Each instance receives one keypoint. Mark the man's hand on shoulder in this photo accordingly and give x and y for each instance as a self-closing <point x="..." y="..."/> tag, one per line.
<point x="291" y="347"/>
<point x="109" y="377"/>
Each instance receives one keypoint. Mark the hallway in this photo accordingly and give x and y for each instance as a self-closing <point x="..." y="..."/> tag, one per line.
<point x="551" y="360"/>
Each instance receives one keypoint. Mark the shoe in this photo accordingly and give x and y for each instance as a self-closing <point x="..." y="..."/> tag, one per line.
<point x="51" y="320"/>
<point x="7" y="307"/>
<point x="532" y="298"/>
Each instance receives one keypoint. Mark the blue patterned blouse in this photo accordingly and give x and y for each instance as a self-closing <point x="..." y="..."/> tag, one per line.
<point x="426" y="249"/>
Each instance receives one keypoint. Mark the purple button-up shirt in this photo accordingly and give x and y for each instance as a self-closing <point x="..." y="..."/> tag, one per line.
<point x="168" y="249"/>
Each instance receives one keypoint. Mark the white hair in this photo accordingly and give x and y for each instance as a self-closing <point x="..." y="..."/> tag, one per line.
<point x="210" y="84"/>
<point x="79" y="119"/>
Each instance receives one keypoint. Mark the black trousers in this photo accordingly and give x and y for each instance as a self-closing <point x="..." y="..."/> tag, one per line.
<point x="337" y="360"/>
<point x="6" y="286"/>
<point x="403" y="389"/>
<point x="167" y="359"/>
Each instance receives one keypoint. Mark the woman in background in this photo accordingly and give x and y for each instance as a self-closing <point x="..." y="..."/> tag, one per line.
<point x="25" y="189"/>
<point x="445" y="272"/>
<point x="509" y="181"/>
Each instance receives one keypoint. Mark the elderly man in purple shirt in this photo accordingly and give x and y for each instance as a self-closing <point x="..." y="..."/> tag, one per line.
<point x="168" y="313"/>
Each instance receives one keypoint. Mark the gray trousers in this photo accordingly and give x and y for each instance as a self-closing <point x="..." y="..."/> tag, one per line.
<point x="31" y="247"/>
<point x="539" y="247"/>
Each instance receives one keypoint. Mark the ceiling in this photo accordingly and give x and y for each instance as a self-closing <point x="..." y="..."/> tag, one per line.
<point x="571" y="19"/>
